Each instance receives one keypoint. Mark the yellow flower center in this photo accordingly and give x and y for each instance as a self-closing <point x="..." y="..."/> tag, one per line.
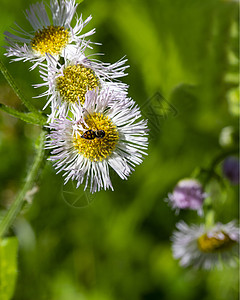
<point x="51" y="39"/>
<point x="219" y="242"/>
<point x="96" y="148"/>
<point x="75" y="82"/>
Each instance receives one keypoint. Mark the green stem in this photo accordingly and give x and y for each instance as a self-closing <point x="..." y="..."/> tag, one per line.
<point x="221" y="157"/>
<point x="17" y="91"/>
<point x="26" y="117"/>
<point x="14" y="210"/>
<point x="210" y="172"/>
<point x="210" y="218"/>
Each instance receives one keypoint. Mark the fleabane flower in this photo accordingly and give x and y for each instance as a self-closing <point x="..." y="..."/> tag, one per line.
<point x="52" y="32"/>
<point x="101" y="134"/>
<point x="68" y="83"/>
<point x="206" y="248"/>
<point x="187" y="194"/>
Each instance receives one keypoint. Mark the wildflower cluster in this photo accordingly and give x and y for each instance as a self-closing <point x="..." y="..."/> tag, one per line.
<point x="209" y="244"/>
<point x="212" y="243"/>
<point x="93" y="125"/>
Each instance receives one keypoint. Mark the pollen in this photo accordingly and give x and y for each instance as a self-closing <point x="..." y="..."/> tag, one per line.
<point x="217" y="243"/>
<point x="50" y="39"/>
<point x="97" y="149"/>
<point x="75" y="82"/>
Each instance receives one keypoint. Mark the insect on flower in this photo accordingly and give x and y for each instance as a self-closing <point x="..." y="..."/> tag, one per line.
<point x="108" y="135"/>
<point x="92" y="134"/>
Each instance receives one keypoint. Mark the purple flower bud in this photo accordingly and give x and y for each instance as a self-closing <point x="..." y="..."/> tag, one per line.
<point x="187" y="194"/>
<point x="230" y="169"/>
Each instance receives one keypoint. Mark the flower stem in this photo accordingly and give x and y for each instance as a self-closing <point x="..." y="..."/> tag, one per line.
<point x="210" y="218"/>
<point x="28" y="117"/>
<point x="221" y="157"/>
<point x="209" y="173"/>
<point x="17" y="91"/>
<point x="14" y="210"/>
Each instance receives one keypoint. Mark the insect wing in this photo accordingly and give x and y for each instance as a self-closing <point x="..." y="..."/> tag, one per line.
<point x="89" y="135"/>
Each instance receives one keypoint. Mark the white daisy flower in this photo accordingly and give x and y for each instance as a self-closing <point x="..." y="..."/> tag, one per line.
<point x="68" y="83"/>
<point x="206" y="248"/>
<point x="52" y="32"/>
<point x="101" y="134"/>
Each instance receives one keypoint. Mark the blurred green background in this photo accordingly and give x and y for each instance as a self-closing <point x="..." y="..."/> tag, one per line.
<point x="116" y="245"/>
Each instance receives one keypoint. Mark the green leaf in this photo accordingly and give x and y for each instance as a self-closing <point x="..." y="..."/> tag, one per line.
<point x="8" y="267"/>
